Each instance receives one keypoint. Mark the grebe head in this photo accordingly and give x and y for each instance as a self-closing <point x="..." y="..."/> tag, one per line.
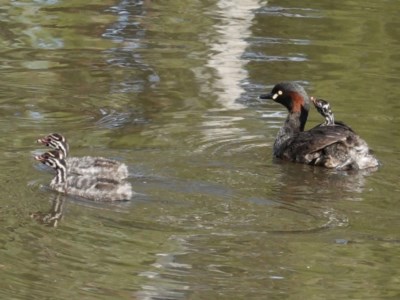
<point x="291" y="95"/>
<point x="52" y="158"/>
<point x="324" y="108"/>
<point x="295" y="99"/>
<point x="56" y="141"/>
<point x="55" y="160"/>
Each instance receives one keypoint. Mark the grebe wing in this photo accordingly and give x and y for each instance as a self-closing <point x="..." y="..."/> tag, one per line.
<point x="314" y="140"/>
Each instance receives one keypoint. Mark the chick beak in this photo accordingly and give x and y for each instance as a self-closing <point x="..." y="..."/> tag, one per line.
<point x="42" y="141"/>
<point x="39" y="158"/>
<point x="313" y="99"/>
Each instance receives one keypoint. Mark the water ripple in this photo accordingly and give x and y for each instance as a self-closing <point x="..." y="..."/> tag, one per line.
<point x="255" y="41"/>
<point x="262" y="57"/>
<point x="289" y="12"/>
<point x="116" y="119"/>
<point x="224" y="134"/>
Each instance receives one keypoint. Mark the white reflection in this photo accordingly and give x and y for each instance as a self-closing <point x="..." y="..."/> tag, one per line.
<point x="164" y="280"/>
<point x="235" y="18"/>
<point x="227" y="43"/>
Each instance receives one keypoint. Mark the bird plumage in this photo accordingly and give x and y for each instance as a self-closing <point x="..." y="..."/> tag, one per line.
<point x="334" y="146"/>
<point x="85" y="186"/>
<point x="86" y="165"/>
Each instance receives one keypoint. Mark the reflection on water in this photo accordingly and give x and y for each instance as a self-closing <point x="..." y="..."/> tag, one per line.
<point x="114" y="119"/>
<point x="290" y="12"/>
<point x="170" y="88"/>
<point x="158" y="287"/>
<point x="233" y="27"/>
<point x="319" y="181"/>
<point x="54" y="215"/>
<point x="224" y="135"/>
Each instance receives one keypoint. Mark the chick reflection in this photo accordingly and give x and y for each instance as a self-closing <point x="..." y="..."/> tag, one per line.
<point x="54" y="215"/>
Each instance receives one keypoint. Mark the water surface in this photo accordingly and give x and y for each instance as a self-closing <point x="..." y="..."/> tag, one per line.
<point x="171" y="89"/>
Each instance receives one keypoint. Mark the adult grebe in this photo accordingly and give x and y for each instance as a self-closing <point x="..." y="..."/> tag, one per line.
<point x="333" y="146"/>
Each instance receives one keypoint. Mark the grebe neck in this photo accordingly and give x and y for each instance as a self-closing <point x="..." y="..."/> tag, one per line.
<point x="63" y="147"/>
<point x="330" y="119"/>
<point x="294" y="124"/>
<point x="61" y="173"/>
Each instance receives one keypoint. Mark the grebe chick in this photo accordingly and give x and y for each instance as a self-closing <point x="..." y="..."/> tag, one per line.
<point x="328" y="146"/>
<point x="85" y="186"/>
<point x="324" y="108"/>
<point x="86" y="165"/>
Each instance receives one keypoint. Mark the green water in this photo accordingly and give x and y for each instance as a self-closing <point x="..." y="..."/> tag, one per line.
<point x="170" y="88"/>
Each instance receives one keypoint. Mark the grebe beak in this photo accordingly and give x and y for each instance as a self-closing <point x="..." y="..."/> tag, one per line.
<point x="39" y="158"/>
<point x="266" y="96"/>
<point x="42" y="141"/>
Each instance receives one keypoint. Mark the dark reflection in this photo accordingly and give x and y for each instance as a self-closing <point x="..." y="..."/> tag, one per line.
<point x="53" y="216"/>
<point x="128" y="33"/>
<point x="126" y="27"/>
<point x="137" y="76"/>
<point x="302" y="181"/>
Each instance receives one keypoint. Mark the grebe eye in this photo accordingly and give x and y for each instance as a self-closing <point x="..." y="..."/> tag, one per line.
<point x="277" y="94"/>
